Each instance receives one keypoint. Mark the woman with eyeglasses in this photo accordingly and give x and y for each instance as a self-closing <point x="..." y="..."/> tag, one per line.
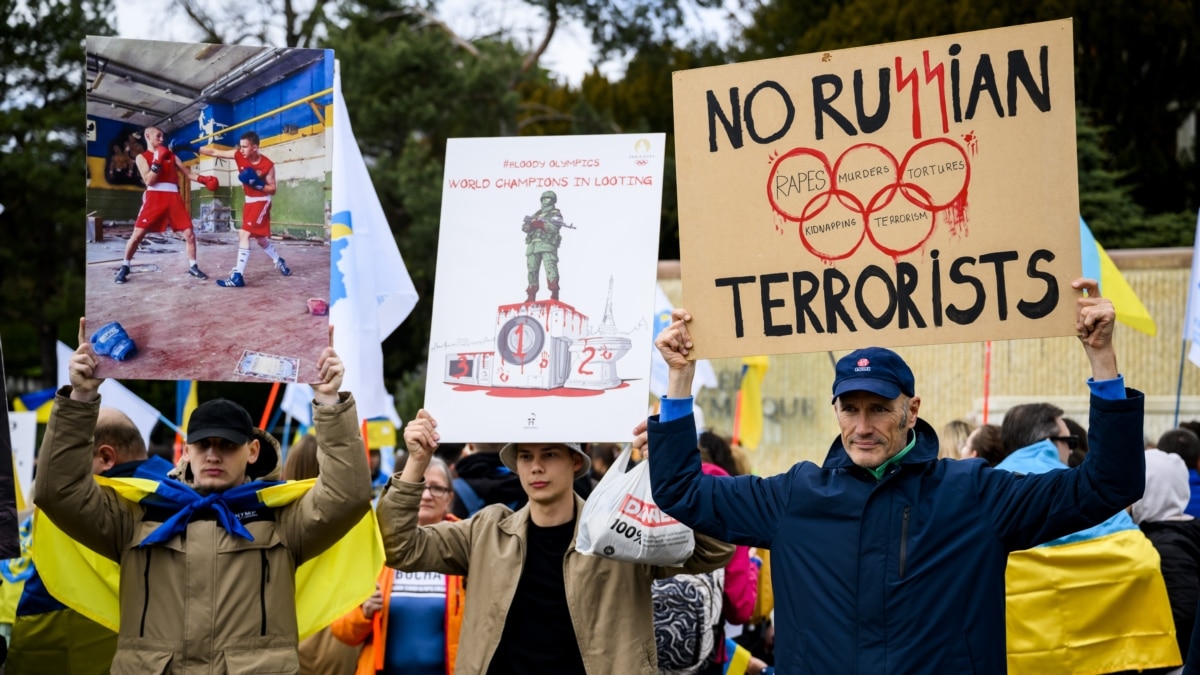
<point x="411" y="624"/>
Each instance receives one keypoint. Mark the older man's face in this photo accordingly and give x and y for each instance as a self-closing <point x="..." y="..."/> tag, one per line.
<point x="874" y="428"/>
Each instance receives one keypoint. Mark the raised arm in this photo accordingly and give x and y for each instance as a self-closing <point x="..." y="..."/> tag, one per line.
<point x="342" y="493"/>
<point x="443" y="547"/>
<point x="1032" y="509"/>
<point x="64" y="488"/>
<point x="149" y="177"/>
<point x="213" y="151"/>
<point x="708" y="555"/>
<point x="743" y="510"/>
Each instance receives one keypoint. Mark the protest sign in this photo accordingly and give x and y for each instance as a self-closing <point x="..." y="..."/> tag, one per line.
<point x="544" y="302"/>
<point x="917" y="192"/>
<point x="208" y="175"/>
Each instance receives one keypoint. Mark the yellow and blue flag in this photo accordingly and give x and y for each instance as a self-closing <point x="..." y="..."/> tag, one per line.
<point x="1088" y="603"/>
<point x="327" y="586"/>
<point x="1099" y="266"/>
<point x="748" y="417"/>
<point x="36" y="401"/>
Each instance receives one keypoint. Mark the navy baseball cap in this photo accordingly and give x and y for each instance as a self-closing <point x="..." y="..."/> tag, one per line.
<point x="874" y="369"/>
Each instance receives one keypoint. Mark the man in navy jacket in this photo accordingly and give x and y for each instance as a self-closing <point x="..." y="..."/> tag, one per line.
<point x="885" y="559"/>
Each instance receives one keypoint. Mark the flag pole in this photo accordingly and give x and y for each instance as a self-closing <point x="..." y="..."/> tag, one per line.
<point x="987" y="378"/>
<point x="270" y="404"/>
<point x="1179" y="384"/>
<point x="287" y="434"/>
<point x="736" y="438"/>
<point x="1189" y="315"/>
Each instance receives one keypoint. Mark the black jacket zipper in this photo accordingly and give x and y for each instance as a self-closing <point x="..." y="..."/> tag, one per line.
<point x="146" y="591"/>
<point x="262" y="590"/>
<point x="904" y="541"/>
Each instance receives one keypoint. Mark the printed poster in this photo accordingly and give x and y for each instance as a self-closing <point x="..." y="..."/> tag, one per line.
<point x="918" y="192"/>
<point x="543" y="306"/>
<point x="22" y="430"/>
<point x="208" y="196"/>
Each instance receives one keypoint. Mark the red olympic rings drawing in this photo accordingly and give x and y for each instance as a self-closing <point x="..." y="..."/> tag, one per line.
<point x="864" y="206"/>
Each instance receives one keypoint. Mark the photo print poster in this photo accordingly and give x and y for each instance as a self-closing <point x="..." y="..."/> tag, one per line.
<point x="208" y="192"/>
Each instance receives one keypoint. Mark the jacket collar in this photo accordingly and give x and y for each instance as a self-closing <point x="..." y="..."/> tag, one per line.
<point x="516" y="524"/>
<point x="926" y="449"/>
<point x="1037" y="458"/>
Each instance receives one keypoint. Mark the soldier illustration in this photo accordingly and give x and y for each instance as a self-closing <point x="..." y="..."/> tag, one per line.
<point x="542" y="237"/>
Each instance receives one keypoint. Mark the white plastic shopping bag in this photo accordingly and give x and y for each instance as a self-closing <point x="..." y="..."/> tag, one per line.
<point x="620" y="520"/>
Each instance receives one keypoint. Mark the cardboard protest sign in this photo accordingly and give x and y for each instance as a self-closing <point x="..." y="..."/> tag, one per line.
<point x="208" y="197"/>
<point x="918" y="192"/>
<point x="544" y="302"/>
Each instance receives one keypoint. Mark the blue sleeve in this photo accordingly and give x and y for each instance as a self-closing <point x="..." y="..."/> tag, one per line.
<point x="1028" y="510"/>
<point x="740" y="510"/>
<point x="671" y="409"/>
<point x="1110" y="390"/>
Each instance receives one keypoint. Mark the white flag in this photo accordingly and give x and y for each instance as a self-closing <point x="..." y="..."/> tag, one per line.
<point x="1191" y="323"/>
<point x="114" y="395"/>
<point x="705" y="375"/>
<point x="370" y="291"/>
<point x="297" y="402"/>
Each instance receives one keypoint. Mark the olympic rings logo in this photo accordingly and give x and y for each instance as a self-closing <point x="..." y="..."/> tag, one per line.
<point x="911" y="178"/>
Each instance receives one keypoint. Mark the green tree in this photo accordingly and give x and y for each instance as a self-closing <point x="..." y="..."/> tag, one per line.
<point x="42" y="174"/>
<point x="1107" y="203"/>
<point x="624" y="26"/>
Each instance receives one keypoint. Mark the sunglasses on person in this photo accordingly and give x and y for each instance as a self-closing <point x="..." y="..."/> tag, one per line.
<point x="1071" y="441"/>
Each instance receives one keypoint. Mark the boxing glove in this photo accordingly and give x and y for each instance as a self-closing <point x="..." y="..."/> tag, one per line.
<point x="111" y="340"/>
<point x="161" y="156"/>
<point x="183" y="148"/>
<point x="249" y="178"/>
<point x="209" y="182"/>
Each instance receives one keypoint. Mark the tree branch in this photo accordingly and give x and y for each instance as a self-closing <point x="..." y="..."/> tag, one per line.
<point x="531" y="58"/>
<point x="289" y="23"/>
<point x="309" y="27"/>
<point x="438" y="23"/>
<point x="203" y="21"/>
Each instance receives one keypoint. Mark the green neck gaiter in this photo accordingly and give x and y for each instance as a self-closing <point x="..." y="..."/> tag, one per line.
<point x="878" y="471"/>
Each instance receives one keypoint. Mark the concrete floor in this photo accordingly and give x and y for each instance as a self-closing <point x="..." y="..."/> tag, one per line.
<point x="189" y="329"/>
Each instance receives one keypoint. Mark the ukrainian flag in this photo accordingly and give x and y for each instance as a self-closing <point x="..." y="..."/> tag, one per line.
<point x="748" y="418"/>
<point x="1099" y="266"/>
<point x="36" y="401"/>
<point x="1088" y="603"/>
<point x="327" y="586"/>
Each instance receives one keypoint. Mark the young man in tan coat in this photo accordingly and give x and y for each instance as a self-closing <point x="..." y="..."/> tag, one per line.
<point x="207" y="571"/>
<point x="535" y="603"/>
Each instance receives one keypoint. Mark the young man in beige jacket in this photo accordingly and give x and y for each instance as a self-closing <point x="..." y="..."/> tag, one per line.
<point x="207" y="571"/>
<point x="535" y="603"/>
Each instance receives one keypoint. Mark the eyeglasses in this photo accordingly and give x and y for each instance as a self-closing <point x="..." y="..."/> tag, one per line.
<point x="437" y="490"/>
<point x="1071" y="441"/>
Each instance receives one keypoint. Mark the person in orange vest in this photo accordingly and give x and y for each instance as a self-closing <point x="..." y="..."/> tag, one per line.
<point x="394" y="625"/>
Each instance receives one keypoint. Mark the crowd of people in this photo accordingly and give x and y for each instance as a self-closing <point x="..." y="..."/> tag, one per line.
<point x="1031" y="546"/>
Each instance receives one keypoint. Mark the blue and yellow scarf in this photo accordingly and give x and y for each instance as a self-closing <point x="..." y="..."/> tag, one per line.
<point x="327" y="586"/>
